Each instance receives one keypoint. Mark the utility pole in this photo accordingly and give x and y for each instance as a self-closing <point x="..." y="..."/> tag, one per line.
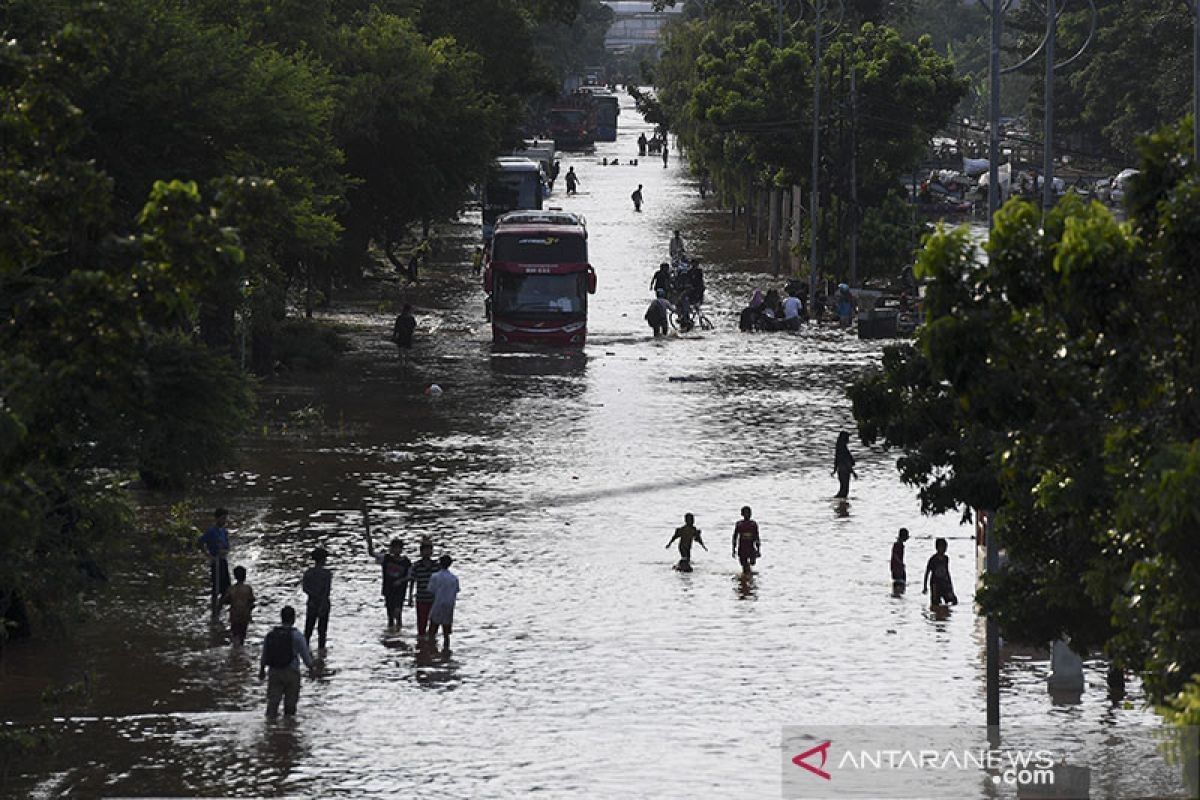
<point x="1048" y="120"/>
<point x="814" y="202"/>
<point x="853" y="171"/>
<point x="1048" y="46"/>
<point x="1194" y="8"/>
<point x="996" y="12"/>
<point x="819" y="8"/>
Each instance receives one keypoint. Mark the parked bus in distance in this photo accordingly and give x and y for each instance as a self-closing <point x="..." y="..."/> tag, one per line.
<point x="573" y="126"/>
<point x="608" y="108"/>
<point x="538" y="278"/>
<point x="513" y="183"/>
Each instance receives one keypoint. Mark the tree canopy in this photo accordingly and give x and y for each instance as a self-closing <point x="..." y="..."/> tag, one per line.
<point x="738" y="91"/>
<point x="175" y="177"/>
<point x="1056" y="385"/>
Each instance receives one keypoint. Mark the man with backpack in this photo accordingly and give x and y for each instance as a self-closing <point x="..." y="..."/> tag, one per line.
<point x="282" y="651"/>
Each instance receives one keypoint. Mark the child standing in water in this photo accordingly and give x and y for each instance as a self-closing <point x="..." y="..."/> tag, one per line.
<point x="746" y="545"/>
<point x="937" y="573"/>
<point x="240" y="599"/>
<point x="686" y="535"/>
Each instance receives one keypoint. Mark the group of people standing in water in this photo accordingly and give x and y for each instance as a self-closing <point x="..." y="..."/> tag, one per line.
<point x="427" y="584"/>
<point x="746" y="544"/>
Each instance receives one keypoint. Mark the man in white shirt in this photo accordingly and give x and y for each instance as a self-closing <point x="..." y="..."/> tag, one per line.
<point x="792" y="311"/>
<point x="282" y="651"/>
<point x="444" y="585"/>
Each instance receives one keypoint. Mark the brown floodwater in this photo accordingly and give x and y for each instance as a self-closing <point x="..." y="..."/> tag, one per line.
<point x="582" y="664"/>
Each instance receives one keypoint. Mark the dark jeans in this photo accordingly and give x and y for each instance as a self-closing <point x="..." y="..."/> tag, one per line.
<point x="843" y="483"/>
<point x="395" y="604"/>
<point x="283" y="683"/>
<point x="219" y="572"/>
<point x="317" y="614"/>
<point x="423" y="607"/>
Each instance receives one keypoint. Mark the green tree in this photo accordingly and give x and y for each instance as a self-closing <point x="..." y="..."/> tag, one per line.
<point x="742" y="106"/>
<point x="92" y="317"/>
<point x="1055" y="385"/>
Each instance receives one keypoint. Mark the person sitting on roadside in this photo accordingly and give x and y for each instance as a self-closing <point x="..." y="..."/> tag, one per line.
<point x="792" y="309"/>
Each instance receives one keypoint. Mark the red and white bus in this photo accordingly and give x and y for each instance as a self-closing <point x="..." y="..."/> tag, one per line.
<point x="538" y="278"/>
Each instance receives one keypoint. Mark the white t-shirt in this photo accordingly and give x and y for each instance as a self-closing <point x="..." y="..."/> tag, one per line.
<point x="791" y="308"/>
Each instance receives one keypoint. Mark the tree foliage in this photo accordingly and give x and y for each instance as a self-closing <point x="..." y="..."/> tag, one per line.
<point x="1056" y="384"/>
<point x="174" y="177"/>
<point x="738" y="91"/>
<point x="1136" y="74"/>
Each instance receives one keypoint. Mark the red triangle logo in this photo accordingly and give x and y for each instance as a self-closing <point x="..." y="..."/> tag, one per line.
<point x="823" y="749"/>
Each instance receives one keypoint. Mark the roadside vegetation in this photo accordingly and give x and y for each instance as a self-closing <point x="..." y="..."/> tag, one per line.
<point x="736" y="87"/>
<point x="1056" y="386"/>
<point x="178" y="182"/>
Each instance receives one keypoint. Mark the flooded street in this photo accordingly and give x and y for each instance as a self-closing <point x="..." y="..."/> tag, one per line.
<point x="582" y="664"/>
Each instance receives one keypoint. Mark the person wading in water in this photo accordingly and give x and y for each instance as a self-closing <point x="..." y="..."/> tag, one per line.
<point x="686" y="535"/>
<point x="747" y="548"/>
<point x="843" y="465"/>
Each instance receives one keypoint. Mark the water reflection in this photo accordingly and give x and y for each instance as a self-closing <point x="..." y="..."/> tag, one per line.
<point x="747" y="586"/>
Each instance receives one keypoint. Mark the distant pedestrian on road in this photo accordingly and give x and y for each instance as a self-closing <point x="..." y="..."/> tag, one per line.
<point x="405" y="327"/>
<point x="747" y="547"/>
<point x="317" y="584"/>
<point x="282" y="651"/>
<point x="443" y="585"/>
<point x="843" y="465"/>
<point x="899" y="574"/>
<point x="240" y="599"/>
<point x="665" y="152"/>
<point x="215" y="542"/>
<point x="676" y="248"/>
<point x="686" y="535"/>
<point x="636" y="197"/>
<point x="937" y="575"/>
<point x="418" y="589"/>
<point x="572" y="181"/>
<point x="477" y="260"/>
<point x="641" y="140"/>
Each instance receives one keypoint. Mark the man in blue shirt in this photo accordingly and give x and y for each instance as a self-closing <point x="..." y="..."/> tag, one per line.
<point x="215" y="541"/>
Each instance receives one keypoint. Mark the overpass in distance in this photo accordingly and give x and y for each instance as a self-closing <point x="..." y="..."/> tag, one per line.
<point x="636" y="24"/>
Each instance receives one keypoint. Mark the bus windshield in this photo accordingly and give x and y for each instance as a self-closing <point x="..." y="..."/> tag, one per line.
<point x="540" y="295"/>
<point x="539" y="249"/>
